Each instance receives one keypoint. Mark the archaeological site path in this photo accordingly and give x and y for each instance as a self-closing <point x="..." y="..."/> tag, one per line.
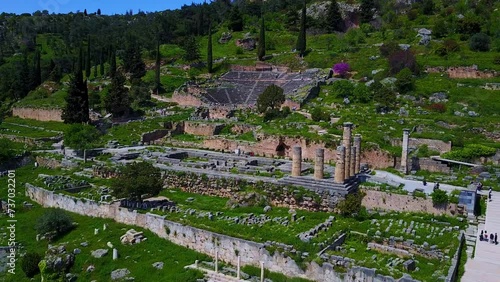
<point x="485" y="266"/>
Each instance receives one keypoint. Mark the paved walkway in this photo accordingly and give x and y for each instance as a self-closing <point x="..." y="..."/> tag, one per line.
<point x="485" y="266"/>
<point x="411" y="185"/>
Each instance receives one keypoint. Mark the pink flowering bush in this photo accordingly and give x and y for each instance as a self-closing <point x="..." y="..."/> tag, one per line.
<point x="341" y="69"/>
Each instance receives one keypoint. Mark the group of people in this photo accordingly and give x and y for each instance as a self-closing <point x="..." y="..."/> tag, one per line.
<point x="493" y="239"/>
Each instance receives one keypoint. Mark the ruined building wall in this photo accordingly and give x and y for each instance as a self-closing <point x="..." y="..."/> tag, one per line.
<point x="202" y="129"/>
<point x="38" y="114"/>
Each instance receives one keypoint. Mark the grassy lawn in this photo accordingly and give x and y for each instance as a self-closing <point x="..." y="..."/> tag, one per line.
<point x="17" y="130"/>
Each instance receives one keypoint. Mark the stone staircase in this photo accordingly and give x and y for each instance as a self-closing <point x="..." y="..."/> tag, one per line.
<point x="327" y="184"/>
<point x="485" y="266"/>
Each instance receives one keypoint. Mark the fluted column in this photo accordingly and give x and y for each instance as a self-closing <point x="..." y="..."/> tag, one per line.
<point x="404" y="154"/>
<point x="296" y="161"/>
<point x="319" y="163"/>
<point x="346" y="141"/>
<point x="357" y="144"/>
<point x="340" y="165"/>
<point x="352" y="167"/>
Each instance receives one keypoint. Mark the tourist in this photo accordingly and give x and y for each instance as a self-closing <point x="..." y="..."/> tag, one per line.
<point x="492" y="238"/>
<point x="496" y="239"/>
<point x="481" y="236"/>
<point x="485" y="235"/>
<point x="424" y="182"/>
<point x="489" y="195"/>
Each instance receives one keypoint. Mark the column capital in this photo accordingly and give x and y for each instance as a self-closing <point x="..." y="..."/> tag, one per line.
<point x="348" y="124"/>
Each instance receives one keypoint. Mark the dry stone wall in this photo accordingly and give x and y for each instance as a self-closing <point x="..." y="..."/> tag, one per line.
<point x="202" y="129"/>
<point x="38" y="114"/>
<point x="404" y="203"/>
<point x="251" y="253"/>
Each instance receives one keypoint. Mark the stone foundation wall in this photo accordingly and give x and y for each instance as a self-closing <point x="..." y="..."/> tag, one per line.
<point x="404" y="203"/>
<point x="220" y="113"/>
<point x="202" y="129"/>
<point x="463" y="72"/>
<point x="377" y="158"/>
<point x="251" y="253"/>
<point x="429" y="165"/>
<point x="242" y="128"/>
<point x="38" y="114"/>
<point x="152" y="136"/>
<point x="48" y="162"/>
<point x="186" y="100"/>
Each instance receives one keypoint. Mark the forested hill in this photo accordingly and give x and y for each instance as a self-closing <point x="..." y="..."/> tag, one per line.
<point x="40" y="46"/>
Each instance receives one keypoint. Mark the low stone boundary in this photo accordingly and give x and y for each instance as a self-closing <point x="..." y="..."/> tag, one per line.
<point x="228" y="248"/>
<point x="455" y="261"/>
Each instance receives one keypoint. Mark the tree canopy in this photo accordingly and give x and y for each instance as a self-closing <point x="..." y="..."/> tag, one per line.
<point x="272" y="98"/>
<point x="137" y="179"/>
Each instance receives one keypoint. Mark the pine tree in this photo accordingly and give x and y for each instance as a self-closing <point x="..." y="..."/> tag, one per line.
<point x="87" y="61"/>
<point x="132" y="61"/>
<point x="77" y="100"/>
<point x="192" y="49"/>
<point x="301" y="40"/>
<point x="235" y="19"/>
<point x="209" y="49"/>
<point x="261" y="49"/>
<point x="334" y="20"/>
<point x="99" y="12"/>
<point x="117" y="101"/>
<point x="367" y="10"/>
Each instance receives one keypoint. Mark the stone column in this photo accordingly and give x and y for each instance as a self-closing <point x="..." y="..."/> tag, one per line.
<point x="404" y="154"/>
<point x="339" y="166"/>
<point x="357" y="144"/>
<point x="115" y="254"/>
<point x="238" y="267"/>
<point x="261" y="271"/>
<point x="319" y="163"/>
<point x="352" y="168"/>
<point x="296" y="161"/>
<point x="216" y="261"/>
<point x="346" y="141"/>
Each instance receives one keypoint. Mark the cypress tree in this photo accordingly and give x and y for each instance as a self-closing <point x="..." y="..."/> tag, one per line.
<point x="301" y="40"/>
<point x="334" y="20"/>
<point x="77" y="101"/>
<point x="87" y="61"/>
<point x="209" y="49"/>
<point x="261" y="49"/>
<point x="37" y="78"/>
<point x="112" y="68"/>
<point x="157" y="66"/>
<point x="101" y="69"/>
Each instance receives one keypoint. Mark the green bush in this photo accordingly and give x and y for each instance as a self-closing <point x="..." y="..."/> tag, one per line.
<point x="470" y="152"/>
<point x="405" y="81"/>
<point x="318" y="114"/>
<point x="479" y="42"/>
<point x="29" y="264"/>
<point x="56" y="221"/>
<point x="351" y="205"/>
<point x="439" y="197"/>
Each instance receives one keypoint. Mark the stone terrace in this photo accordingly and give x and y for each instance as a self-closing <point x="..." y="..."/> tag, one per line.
<point x="243" y="87"/>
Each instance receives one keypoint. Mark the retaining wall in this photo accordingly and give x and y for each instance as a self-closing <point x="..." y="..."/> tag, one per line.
<point x="38" y="114"/>
<point x="203" y="241"/>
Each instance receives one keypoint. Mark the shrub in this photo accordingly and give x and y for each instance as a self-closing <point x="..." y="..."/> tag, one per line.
<point x="437" y="107"/>
<point x="318" y="114"/>
<point x="29" y="264"/>
<point x="405" y="81"/>
<point x="496" y="60"/>
<point x="342" y="88"/>
<point x="341" y="69"/>
<point x="56" y="221"/>
<point x="439" y="197"/>
<point x="402" y="59"/>
<point x="470" y="152"/>
<point x="479" y="42"/>
<point x="351" y="205"/>
<point x="388" y="48"/>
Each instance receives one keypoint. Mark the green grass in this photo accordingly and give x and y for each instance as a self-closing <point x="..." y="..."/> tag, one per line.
<point x="13" y="129"/>
<point x="52" y="101"/>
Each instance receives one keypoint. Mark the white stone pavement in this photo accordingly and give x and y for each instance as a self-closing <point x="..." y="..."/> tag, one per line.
<point x="411" y="185"/>
<point x="485" y="266"/>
